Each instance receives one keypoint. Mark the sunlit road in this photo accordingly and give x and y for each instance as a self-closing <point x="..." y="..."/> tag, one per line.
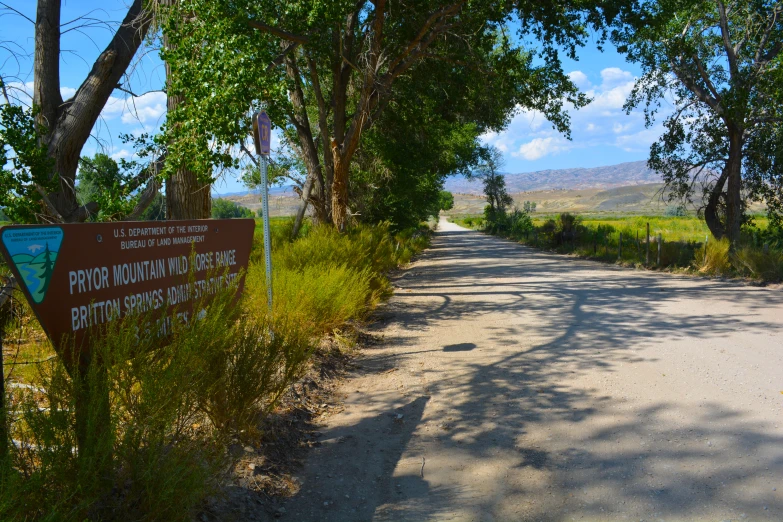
<point x="504" y="383"/>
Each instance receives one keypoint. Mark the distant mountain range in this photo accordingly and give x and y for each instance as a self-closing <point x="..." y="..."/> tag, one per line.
<point x="611" y="176"/>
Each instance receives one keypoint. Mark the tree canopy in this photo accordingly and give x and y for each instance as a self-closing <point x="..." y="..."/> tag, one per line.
<point x="328" y="72"/>
<point x="720" y="63"/>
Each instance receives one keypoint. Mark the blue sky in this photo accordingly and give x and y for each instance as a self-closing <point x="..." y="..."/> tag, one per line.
<point x="602" y="134"/>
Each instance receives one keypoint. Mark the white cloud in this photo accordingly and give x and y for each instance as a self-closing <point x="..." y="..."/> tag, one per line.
<point x="145" y="109"/>
<point x="121" y="154"/>
<point x="599" y="128"/>
<point x="540" y="147"/>
<point x="580" y="79"/>
<point x="639" y="141"/>
<point x="613" y="76"/>
<point x="618" y="127"/>
<point x="148" y="107"/>
<point x="67" y="92"/>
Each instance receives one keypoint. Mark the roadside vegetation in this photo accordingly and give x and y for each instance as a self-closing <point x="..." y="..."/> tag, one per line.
<point x="686" y="243"/>
<point x="164" y="412"/>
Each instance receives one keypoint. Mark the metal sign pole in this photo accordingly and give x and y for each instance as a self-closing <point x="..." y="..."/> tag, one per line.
<point x="267" y="241"/>
<point x="262" y="135"/>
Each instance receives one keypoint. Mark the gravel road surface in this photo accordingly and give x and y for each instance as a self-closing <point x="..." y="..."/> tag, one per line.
<point x="510" y="384"/>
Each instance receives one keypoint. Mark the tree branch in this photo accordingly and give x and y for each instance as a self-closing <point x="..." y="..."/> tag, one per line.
<point x="285" y="35"/>
<point x="724" y="31"/>
<point x="700" y="93"/>
<point x="760" y="57"/>
<point x="46" y="65"/>
<point x="706" y="77"/>
<point x="281" y="57"/>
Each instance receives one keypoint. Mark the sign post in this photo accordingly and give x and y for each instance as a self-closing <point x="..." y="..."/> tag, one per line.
<point x="262" y="127"/>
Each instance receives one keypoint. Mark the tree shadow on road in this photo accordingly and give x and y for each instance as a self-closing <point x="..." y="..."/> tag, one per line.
<point x="663" y="459"/>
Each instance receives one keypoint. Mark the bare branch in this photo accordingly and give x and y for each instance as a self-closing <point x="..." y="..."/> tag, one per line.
<point x="17" y="12"/>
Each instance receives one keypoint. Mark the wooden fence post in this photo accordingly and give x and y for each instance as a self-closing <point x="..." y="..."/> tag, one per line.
<point x="660" y="246"/>
<point x="648" y="245"/>
<point x="620" y="247"/>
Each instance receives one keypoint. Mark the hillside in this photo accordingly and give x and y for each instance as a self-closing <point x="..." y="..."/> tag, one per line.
<point x="627" y="200"/>
<point x="620" y="175"/>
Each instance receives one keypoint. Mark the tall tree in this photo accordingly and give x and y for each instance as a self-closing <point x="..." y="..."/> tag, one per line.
<point x="494" y="182"/>
<point x="64" y="126"/>
<point x="341" y="61"/>
<point x="721" y="63"/>
<point x="188" y="194"/>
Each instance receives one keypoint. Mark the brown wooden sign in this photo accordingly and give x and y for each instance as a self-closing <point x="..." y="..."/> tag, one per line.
<point x="76" y="276"/>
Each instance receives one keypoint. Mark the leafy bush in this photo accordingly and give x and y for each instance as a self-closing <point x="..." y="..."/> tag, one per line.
<point x="519" y="223"/>
<point x="445" y="200"/>
<point x="758" y="263"/>
<point x="225" y="209"/>
<point x="712" y="258"/>
<point x="676" y="211"/>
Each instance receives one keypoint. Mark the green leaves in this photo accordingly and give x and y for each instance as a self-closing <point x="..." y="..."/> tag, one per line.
<point x="719" y="63"/>
<point x="25" y="165"/>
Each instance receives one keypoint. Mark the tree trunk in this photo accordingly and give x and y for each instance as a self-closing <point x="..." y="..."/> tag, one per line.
<point x="711" y="216"/>
<point x="340" y="190"/>
<point x="308" y="187"/>
<point x="69" y="123"/>
<point x="187" y="196"/>
<point x="734" y="205"/>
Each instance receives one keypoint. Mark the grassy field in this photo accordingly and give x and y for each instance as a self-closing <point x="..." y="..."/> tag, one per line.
<point x="685" y="243"/>
<point x="687" y="228"/>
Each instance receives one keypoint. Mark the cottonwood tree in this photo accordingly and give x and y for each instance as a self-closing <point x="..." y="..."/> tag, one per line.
<point x="327" y="71"/>
<point x="719" y="62"/>
<point x="494" y="182"/>
<point x="62" y="127"/>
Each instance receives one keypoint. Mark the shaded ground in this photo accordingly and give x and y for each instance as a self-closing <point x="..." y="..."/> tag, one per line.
<point x="531" y="386"/>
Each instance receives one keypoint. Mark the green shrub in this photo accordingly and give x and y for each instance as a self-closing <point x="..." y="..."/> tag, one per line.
<point x="151" y="431"/>
<point x="758" y="264"/>
<point x="148" y="440"/>
<point x="225" y="209"/>
<point x="712" y="258"/>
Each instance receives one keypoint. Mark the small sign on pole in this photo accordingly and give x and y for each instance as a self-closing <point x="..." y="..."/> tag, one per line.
<point x="262" y="135"/>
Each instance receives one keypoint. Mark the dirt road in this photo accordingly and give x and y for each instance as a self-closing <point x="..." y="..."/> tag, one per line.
<point x="532" y="386"/>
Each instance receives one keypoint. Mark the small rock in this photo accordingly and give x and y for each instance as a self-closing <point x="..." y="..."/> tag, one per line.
<point x="400" y="416"/>
<point x="251" y="466"/>
<point x="249" y="449"/>
<point x="347" y="496"/>
<point x="326" y="503"/>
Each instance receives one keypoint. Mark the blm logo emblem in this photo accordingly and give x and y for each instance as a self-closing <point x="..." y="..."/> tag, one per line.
<point x="34" y="253"/>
